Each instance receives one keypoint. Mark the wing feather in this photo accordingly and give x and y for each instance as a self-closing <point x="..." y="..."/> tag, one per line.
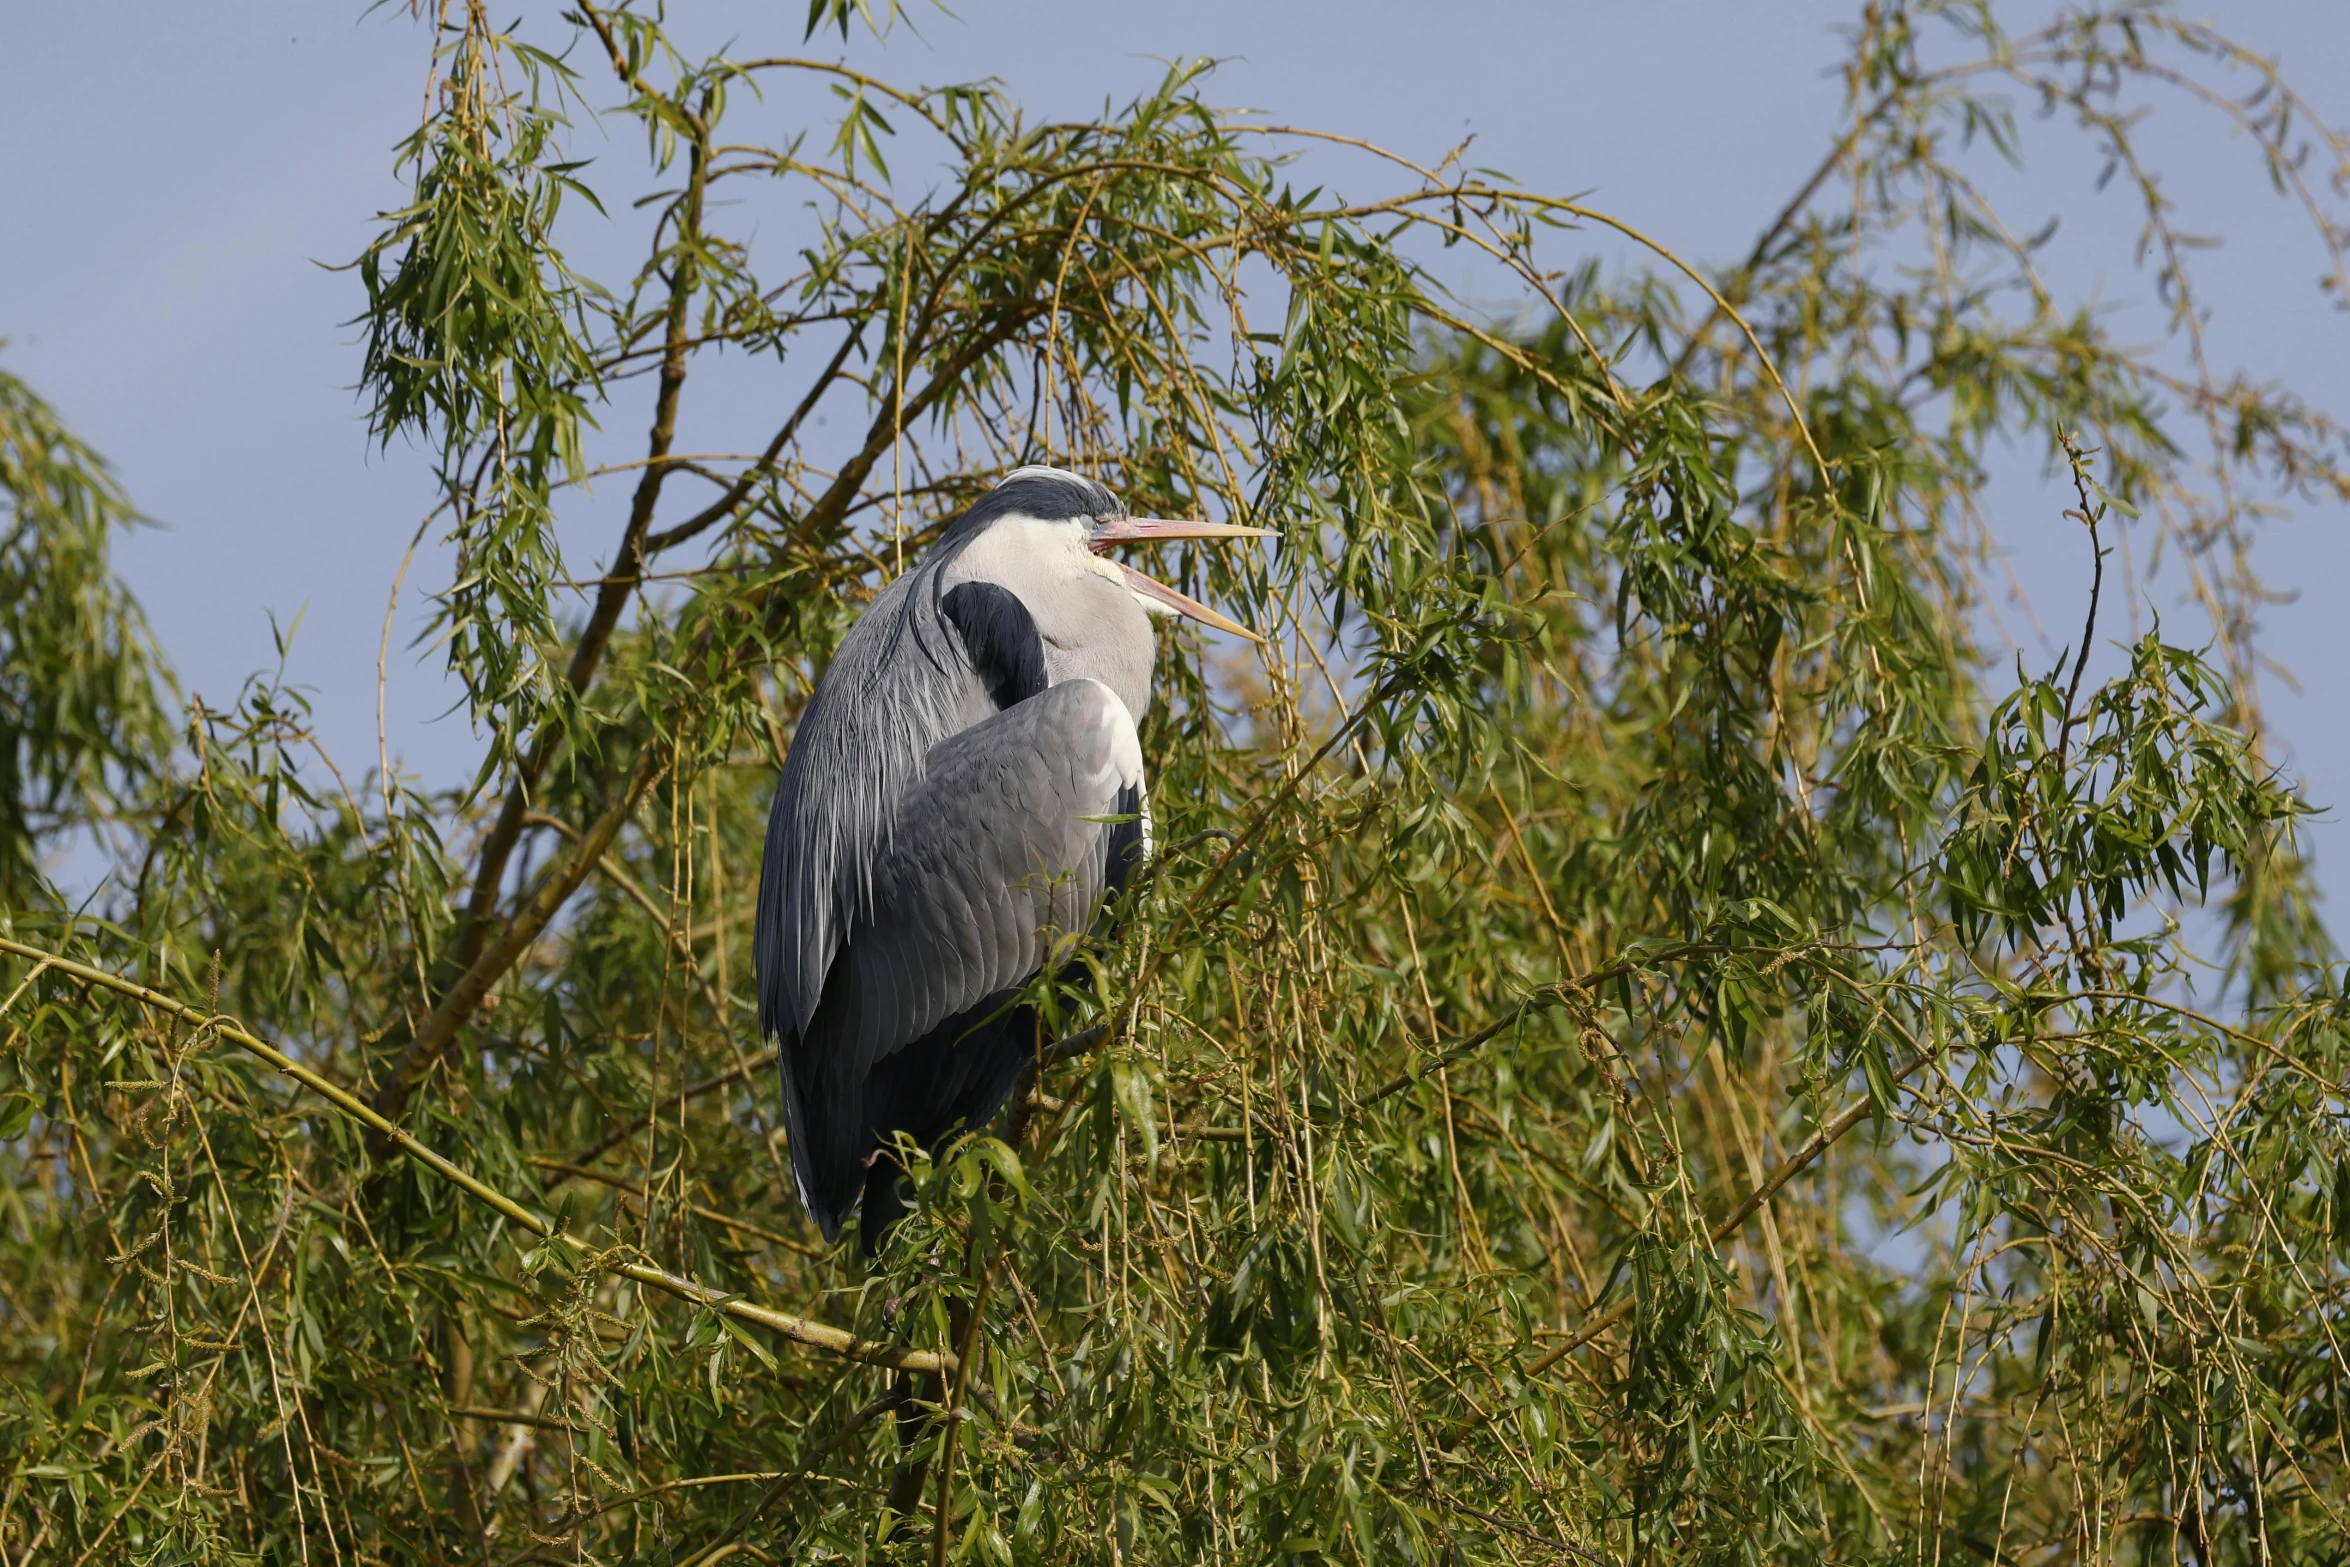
<point x="997" y="850"/>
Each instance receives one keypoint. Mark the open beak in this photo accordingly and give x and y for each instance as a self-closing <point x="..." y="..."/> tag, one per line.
<point x="1136" y="530"/>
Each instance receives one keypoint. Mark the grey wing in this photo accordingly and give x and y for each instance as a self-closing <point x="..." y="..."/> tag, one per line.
<point x="918" y="668"/>
<point x="1000" y="855"/>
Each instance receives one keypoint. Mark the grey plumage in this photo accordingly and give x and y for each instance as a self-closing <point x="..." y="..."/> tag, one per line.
<point x="938" y="835"/>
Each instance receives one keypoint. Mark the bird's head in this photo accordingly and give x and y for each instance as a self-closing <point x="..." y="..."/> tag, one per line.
<point x="1041" y="517"/>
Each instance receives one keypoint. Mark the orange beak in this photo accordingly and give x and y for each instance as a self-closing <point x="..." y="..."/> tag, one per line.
<point x="1135" y="530"/>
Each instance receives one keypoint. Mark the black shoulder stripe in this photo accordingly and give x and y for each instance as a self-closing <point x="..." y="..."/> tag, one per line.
<point x="1001" y="639"/>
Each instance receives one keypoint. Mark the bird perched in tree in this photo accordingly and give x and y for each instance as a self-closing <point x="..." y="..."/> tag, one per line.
<point x="963" y="795"/>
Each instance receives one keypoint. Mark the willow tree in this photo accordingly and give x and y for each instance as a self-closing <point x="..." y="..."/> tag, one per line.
<point x="1626" y="888"/>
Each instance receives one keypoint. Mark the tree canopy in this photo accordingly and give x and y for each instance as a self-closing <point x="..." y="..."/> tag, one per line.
<point x="1648" y="1036"/>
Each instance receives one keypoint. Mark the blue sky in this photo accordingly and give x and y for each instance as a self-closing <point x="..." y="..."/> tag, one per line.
<point x="181" y="173"/>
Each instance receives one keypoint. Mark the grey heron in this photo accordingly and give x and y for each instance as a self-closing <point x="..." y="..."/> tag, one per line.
<point x="964" y="793"/>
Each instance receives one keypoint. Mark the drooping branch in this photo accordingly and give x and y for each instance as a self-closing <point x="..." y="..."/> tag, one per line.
<point x="620" y="582"/>
<point x="474" y="963"/>
<point x="800" y="1330"/>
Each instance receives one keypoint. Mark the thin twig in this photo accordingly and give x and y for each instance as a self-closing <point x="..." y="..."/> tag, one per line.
<point x="680" y="941"/>
<point x="1442" y="1056"/>
<point x="510" y="1417"/>
<point x="712" y="1215"/>
<point x="2089" y="515"/>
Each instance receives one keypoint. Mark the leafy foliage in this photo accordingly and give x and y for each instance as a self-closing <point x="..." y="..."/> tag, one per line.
<point x="1620" y="902"/>
<point x="81" y="726"/>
